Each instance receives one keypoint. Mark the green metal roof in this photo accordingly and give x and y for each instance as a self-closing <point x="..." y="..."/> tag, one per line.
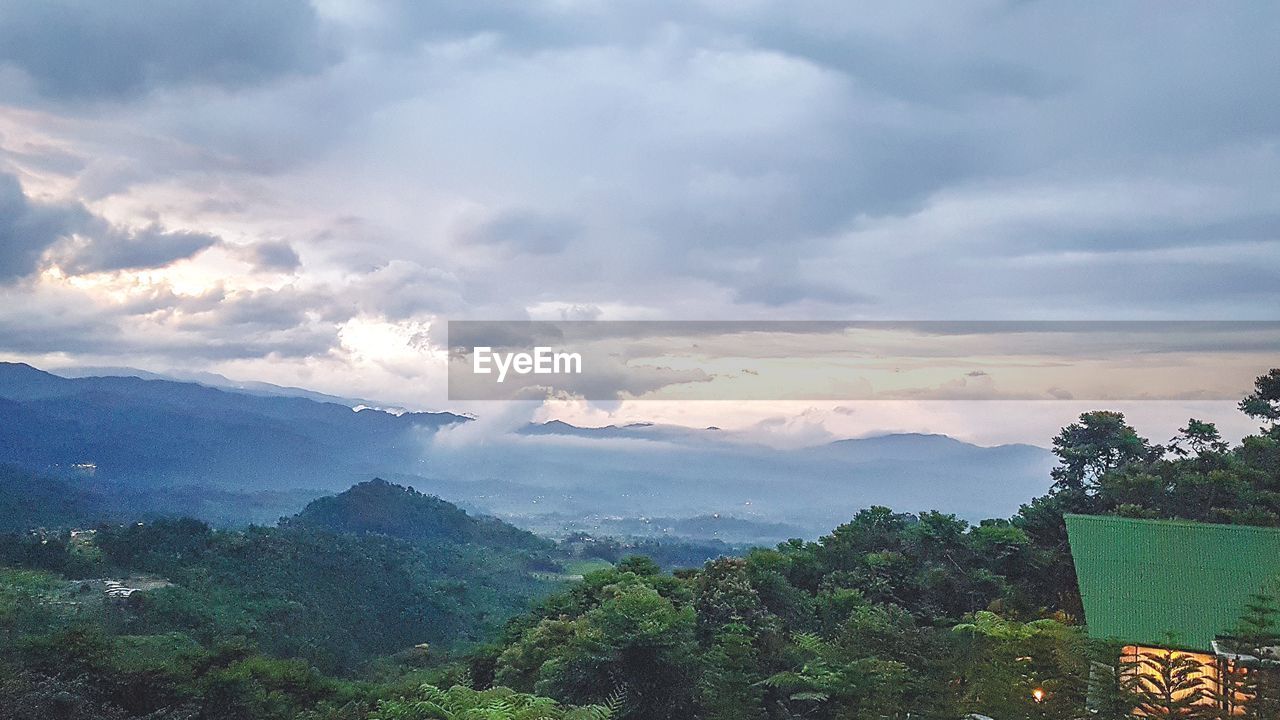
<point x="1168" y="582"/>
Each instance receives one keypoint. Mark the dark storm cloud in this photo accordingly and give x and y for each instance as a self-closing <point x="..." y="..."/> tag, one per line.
<point x="400" y="290"/>
<point x="27" y="229"/>
<point x="779" y="291"/>
<point x="81" y="241"/>
<point x="212" y="326"/>
<point x="274" y="256"/>
<point x="525" y="231"/>
<point x="86" y="49"/>
<point x="121" y="249"/>
<point x="265" y="310"/>
<point x="46" y="330"/>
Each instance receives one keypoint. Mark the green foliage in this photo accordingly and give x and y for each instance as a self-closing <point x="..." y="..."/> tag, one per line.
<point x="1198" y="437"/>
<point x="1264" y="402"/>
<point x="933" y="564"/>
<point x="725" y="598"/>
<point x="1100" y="443"/>
<point x="1007" y="662"/>
<point x="731" y="688"/>
<point x="378" y="507"/>
<point x="462" y="703"/>
<point x="336" y="599"/>
<point x="668" y="553"/>
<point x="892" y="614"/>
<point x="831" y="679"/>
<point x="1256" y="637"/>
<point x="636" y="641"/>
<point x="84" y="671"/>
<point x="844" y="627"/>
<point x="1112" y="683"/>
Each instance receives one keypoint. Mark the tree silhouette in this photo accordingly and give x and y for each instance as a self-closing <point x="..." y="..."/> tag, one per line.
<point x="1171" y="684"/>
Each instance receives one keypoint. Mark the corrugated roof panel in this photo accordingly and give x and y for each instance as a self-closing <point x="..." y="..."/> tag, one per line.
<point x="1168" y="582"/>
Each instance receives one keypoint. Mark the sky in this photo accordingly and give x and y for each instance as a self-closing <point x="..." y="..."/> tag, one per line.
<point x="302" y="193"/>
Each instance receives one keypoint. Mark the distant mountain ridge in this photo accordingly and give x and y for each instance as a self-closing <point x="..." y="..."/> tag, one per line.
<point x="184" y="433"/>
<point x="30" y="501"/>
<point x="214" y="380"/>
<point x="554" y="476"/>
<point x="664" y="471"/>
<point x="888" y="445"/>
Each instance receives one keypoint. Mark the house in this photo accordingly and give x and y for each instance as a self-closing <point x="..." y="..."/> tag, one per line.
<point x="116" y="590"/>
<point x="1158" y="586"/>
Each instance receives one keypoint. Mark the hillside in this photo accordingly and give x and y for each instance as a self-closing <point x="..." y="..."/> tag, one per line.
<point x="183" y="433"/>
<point x="331" y="584"/>
<point x="377" y="507"/>
<point x="31" y="500"/>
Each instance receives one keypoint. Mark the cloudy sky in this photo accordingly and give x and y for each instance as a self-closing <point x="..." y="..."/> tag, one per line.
<point x="301" y="192"/>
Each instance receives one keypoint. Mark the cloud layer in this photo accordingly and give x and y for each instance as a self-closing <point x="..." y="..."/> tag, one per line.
<point x="301" y="192"/>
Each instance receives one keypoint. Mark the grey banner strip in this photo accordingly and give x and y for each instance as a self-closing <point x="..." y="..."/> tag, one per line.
<point x="859" y="360"/>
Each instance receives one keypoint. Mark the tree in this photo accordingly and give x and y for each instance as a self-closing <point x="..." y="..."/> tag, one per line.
<point x="1170" y="684"/>
<point x="1113" y="682"/>
<point x="827" y="675"/>
<point x="1229" y="691"/>
<point x="1256" y="637"/>
<point x="1050" y="574"/>
<point x="874" y="529"/>
<point x="1101" y="442"/>
<point x="1198" y="437"/>
<point x="463" y="703"/>
<point x="724" y="596"/>
<point x="730" y="687"/>
<point x="640" y="565"/>
<point x="1264" y="402"/>
<point x="521" y="662"/>
<point x="1011" y="669"/>
<point x="636" y="641"/>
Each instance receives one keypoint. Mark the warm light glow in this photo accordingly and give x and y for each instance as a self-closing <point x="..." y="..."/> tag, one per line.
<point x="1207" y="672"/>
<point x="1038" y="694"/>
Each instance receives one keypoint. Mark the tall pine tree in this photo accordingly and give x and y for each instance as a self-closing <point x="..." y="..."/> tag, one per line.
<point x="1258" y="636"/>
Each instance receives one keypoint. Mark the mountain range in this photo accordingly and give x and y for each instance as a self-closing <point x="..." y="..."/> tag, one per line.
<point x="179" y="433"/>
<point x="163" y="435"/>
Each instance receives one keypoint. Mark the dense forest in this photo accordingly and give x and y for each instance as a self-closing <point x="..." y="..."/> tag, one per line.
<point x="386" y="604"/>
<point x="308" y="589"/>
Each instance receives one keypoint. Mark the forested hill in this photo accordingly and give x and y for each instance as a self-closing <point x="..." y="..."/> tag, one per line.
<point x="185" y="433"/>
<point x="378" y="507"/>
<point x="371" y="572"/>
